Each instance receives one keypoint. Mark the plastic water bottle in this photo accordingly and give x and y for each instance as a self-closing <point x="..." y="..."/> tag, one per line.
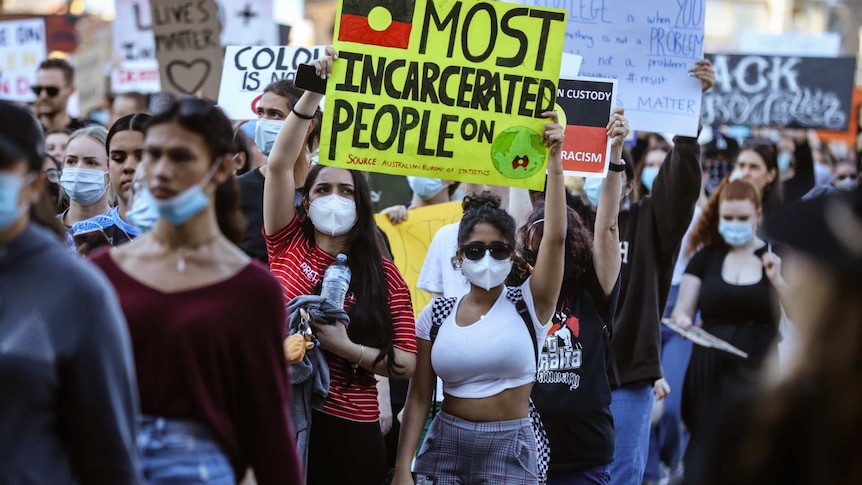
<point x="336" y="280"/>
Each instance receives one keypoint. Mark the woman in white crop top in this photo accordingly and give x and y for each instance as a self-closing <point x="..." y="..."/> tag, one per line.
<point x="483" y="351"/>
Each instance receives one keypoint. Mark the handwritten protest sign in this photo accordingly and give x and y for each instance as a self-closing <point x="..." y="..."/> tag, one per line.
<point x="410" y="240"/>
<point x="249" y="69"/>
<point x="649" y="47"/>
<point x="776" y="91"/>
<point x="586" y="109"/>
<point x="188" y="46"/>
<point x="135" y="65"/>
<point x="90" y="58"/>
<point x="245" y="22"/>
<point x="442" y="88"/>
<point x="22" y="49"/>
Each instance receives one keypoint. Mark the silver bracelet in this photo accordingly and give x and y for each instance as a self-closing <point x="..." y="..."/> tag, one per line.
<point x="361" y="355"/>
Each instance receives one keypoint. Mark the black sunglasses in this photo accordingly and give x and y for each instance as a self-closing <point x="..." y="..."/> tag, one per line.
<point x="184" y="106"/>
<point x="476" y="251"/>
<point x="50" y="90"/>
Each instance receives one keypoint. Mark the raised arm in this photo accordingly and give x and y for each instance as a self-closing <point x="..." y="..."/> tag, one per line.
<point x="280" y="184"/>
<point x="548" y="272"/>
<point x="606" y="238"/>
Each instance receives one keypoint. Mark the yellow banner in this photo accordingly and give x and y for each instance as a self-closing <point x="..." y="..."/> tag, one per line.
<point x="410" y="240"/>
<point x="443" y="88"/>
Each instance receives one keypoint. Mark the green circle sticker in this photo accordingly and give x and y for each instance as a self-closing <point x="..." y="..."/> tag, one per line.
<point x="518" y="152"/>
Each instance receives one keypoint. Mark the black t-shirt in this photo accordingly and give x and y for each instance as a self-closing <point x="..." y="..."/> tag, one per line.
<point x="251" y="204"/>
<point x="572" y="392"/>
<point x="722" y="302"/>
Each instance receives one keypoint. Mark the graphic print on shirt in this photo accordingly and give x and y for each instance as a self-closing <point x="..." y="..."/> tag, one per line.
<point x="562" y="352"/>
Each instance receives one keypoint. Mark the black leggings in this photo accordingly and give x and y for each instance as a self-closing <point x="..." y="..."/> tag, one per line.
<point x="341" y="451"/>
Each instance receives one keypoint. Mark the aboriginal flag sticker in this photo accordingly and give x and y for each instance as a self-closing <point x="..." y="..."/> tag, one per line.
<point x="386" y="23"/>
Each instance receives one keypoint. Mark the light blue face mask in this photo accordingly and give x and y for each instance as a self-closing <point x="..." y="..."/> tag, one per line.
<point x="265" y="132"/>
<point x="736" y="233"/>
<point x="10" y="211"/>
<point x="425" y="188"/>
<point x="592" y="189"/>
<point x="648" y="176"/>
<point x="783" y="162"/>
<point x="187" y="204"/>
<point x="143" y="214"/>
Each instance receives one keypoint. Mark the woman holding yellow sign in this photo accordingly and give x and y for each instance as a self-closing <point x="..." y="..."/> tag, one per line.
<point x="380" y="337"/>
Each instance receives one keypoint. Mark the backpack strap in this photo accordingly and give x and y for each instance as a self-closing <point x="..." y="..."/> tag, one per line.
<point x="440" y="310"/>
<point x="516" y="296"/>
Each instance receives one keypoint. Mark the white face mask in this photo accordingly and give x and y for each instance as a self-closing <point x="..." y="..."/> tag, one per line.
<point x="332" y="215"/>
<point x="265" y="132"/>
<point x="83" y="185"/>
<point x="487" y="272"/>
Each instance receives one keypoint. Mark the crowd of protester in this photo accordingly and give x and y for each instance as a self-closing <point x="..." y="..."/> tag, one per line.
<point x="155" y="261"/>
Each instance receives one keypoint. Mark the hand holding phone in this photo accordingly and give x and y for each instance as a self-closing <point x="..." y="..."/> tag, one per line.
<point x="307" y="78"/>
<point x="92" y="239"/>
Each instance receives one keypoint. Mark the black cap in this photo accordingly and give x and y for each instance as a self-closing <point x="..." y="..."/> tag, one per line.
<point x="826" y="228"/>
<point x="21" y="136"/>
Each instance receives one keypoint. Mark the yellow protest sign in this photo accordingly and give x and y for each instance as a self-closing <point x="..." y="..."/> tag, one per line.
<point x="410" y="240"/>
<point x="451" y="89"/>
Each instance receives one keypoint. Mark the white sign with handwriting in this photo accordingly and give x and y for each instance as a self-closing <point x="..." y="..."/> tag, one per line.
<point x="649" y="47"/>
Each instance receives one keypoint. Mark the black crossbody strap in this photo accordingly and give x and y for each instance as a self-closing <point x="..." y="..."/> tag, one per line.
<point x="516" y="296"/>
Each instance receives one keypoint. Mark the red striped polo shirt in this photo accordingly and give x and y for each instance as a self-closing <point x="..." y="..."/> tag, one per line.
<point x="299" y="264"/>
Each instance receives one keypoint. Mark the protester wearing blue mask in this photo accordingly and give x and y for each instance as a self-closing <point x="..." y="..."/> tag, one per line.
<point x="273" y="107"/>
<point x="735" y="282"/>
<point x="124" y="146"/>
<point x="647" y="171"/>
<point x="85" y="176"/>
<point x="426" y="191"/>
<point x="205" y="320"/>
<point x="67" y="385"/>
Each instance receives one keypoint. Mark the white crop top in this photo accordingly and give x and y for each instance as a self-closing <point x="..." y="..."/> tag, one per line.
<point x="489" y="356"/>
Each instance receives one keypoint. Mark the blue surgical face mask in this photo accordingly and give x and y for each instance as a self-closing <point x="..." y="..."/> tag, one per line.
<point x="736" y="233"/>
<point x="783" y="162"/>
<point x="592" y="189"/>
<point x="425" y="188"/>
<point x="143" y="214"/>
<point x="10" y="211"/>
<point x="264" y="134"/>
<point x="187" y="204"/>
<point x="648" y="176"/>
<point x="101" y="116"/>
<point x="84" y="186"/>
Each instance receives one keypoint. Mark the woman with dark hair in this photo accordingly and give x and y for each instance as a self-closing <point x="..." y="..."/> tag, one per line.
<point x="380" y="338"/>
<point x="125" y="147"/>
<point x="757" y="163"/>
<point x="206" y="322"/>
<point x="733" y="283"/>
<point x="578" y="418"/>
<point x="802" y="426"/>
<point x="484" y="348"/>
<point x="67" y="385"/>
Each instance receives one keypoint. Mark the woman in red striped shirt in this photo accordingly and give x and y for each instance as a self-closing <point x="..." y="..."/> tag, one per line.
<point x="345" y="444"/>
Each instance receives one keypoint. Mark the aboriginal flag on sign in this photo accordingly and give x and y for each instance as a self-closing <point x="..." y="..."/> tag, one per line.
<point x="386" y="23"/>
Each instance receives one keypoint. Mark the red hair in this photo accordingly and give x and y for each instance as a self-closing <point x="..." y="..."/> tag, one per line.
<point x="706" y="231"/>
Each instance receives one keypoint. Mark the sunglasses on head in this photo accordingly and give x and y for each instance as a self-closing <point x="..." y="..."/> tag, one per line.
<point x="51" y="91"/>
<point x="477" y="251"/>
<point x="185" y="106"/>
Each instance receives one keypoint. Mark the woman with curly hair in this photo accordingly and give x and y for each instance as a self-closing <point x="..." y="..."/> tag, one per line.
<point x="572" y="393"/>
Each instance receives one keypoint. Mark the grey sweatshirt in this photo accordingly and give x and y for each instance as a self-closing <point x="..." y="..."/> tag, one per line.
<point x="68" y="397"/>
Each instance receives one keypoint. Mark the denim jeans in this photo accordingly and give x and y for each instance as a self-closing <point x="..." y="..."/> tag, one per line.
<point x="631" y="406"/>
<point x="176" y="452"/>
<point x="600" y="475"/>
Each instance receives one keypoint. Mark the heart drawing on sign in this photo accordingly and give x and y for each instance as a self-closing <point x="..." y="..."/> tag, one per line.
<point x="188" y="77"/>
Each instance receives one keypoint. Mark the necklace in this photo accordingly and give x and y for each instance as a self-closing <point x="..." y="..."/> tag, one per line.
<point x="182" y="250"/>
<point x="473" y="309"/>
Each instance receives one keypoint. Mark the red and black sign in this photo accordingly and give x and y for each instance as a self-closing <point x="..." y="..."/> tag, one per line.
<point x="587" y="105"/>
<point x="355" y="25"/>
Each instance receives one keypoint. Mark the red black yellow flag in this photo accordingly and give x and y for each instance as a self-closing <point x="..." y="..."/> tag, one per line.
<point x="355" y="26"/>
